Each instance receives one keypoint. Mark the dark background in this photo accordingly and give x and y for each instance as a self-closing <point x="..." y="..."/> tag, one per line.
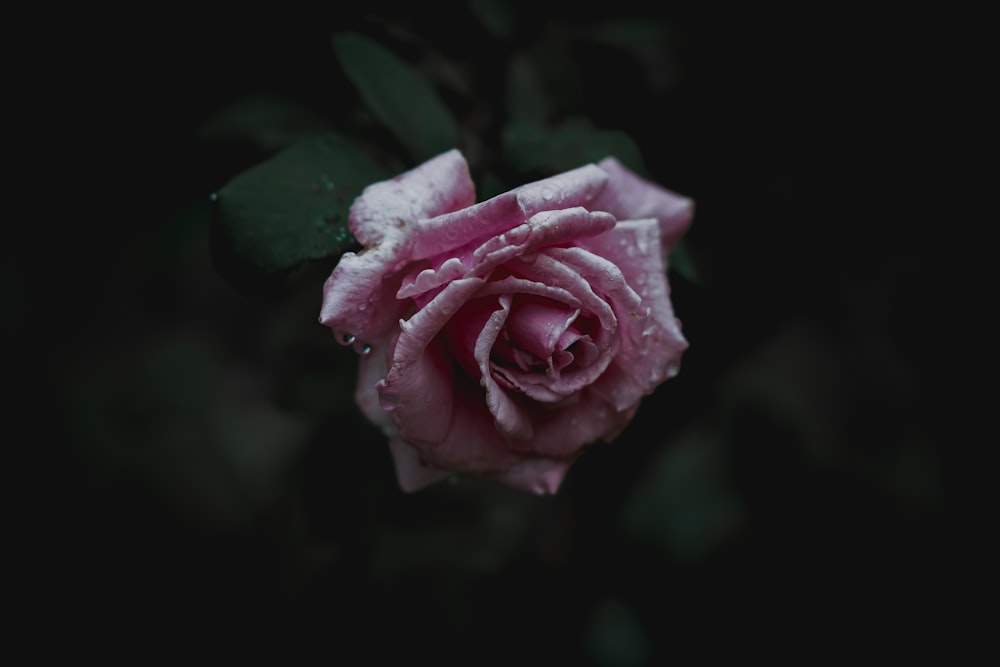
<point x="196" y="469"/>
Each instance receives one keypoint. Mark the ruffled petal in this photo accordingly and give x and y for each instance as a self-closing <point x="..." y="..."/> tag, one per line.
<point x="546" y="269"/>
<point x="542" y="328"/>
<point x="419" y="395"/>
<point x="564" y="432"/>
<point x="358" y="298"/>
<point x="536" y="475"/>
<point x="473" y="446"/>
<point x="509" y="418"/>
<point x="418" y="388"/>
<point x="576" y="187"/>
<point x="449" y="231"/>
<point x="480" y="257"/>
<point x="652" y="342"/>
<point x="392" y="208"/>
<point x="410" y="472"/>
<point x="627" y="196"/>
<point x="542" y="230"/>
<point x="372" y="368"/>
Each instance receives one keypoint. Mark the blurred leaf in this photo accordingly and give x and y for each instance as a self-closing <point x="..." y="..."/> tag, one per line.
<point x="552" y="57"/>
<point x="290" y="209"/>
<point x="528" y="97"/>
<point x="648" y="41"/>
<point x="532" y="148"/>
<point x="496" y="15"/>
<point x="681" y="262"/>
<point x="687" y="505"/>
<point x="269" y="123"/>
<point x="190" y="427"/>
<point x="616" y="637"/>
<point x="490" y="185"/>
<point x="793" y="379"/>
<point x="914" y="474"/>
<point x="398" y="96"/>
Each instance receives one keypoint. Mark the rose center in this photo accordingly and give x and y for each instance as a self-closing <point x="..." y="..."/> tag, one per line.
<point x="543" y="336"/>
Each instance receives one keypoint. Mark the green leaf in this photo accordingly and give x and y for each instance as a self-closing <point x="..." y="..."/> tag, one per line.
<point x="534" y="148"/>
<point x="529" y="99"/>
<point x="290" y="209"/>
<point x="398" y="96"/>
<point x="681" y="262"/>
<point x="497" y="16"/>
<point x="686" y="504"/>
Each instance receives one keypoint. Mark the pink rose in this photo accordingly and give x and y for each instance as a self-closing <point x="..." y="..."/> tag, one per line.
<point x="500" y="338"/>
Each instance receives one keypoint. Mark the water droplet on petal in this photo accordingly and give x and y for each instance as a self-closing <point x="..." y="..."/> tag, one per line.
<point x="366" y="349"/>
<point x="348" y="338"/>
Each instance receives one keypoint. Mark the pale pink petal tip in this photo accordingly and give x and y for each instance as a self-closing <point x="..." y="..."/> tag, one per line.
<point x="538" y="476"/>
<point x="440" y="185"/>
<point x="630" y="197"/>
<point x="410" y="472"/>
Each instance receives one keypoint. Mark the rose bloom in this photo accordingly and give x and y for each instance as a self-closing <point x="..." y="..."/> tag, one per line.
<point x="498" y="339"/>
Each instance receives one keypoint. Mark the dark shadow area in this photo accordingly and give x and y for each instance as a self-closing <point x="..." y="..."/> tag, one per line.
<point x="194" y="467"/>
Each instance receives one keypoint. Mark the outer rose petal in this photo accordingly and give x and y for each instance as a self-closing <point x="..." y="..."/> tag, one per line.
<point x="473" y="446"/>
<point x="358" y="296"/>
<point x="540" y="230"/>
<point x="418" y="387"/>
<point x="510" y="420"/>
<point x="410" y="472"/>
<point x="536" y="475"/>
<point x="494" y="216"/>
<point x="630" y="197"/>
<point x="440" y="185"/>
<point x="372" y="368"/>
<point x="653" y="345"/>
<point x="563" y="433"/>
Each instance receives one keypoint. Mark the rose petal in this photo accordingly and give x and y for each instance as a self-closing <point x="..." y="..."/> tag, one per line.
<point x="473" y="446"/>
<point x="519" y="285"/>
<point x="419" y="395"/>
<point x="627" y="196"/>
<point x="652" y="342"/>
<point x="422" y="280"/>
<point x="372" y="368"/>
<point x="540" y="231"/>
<point x="510" y="420"/>
<point x="388" y="208"/>
<point x="549" y="270"/>
<point x="564" y="432"/>
<point x="463" y="330"/>
<point x="418" y="387"/>
<point x="576" y="187"/>
<point x="358" y="302"/>
<point x="539" y="327"/>
<point x="495" y="216"/>
<point x="410" y="472"/>
<point x="478" y="259"/>
<point x="536" y="475"/>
